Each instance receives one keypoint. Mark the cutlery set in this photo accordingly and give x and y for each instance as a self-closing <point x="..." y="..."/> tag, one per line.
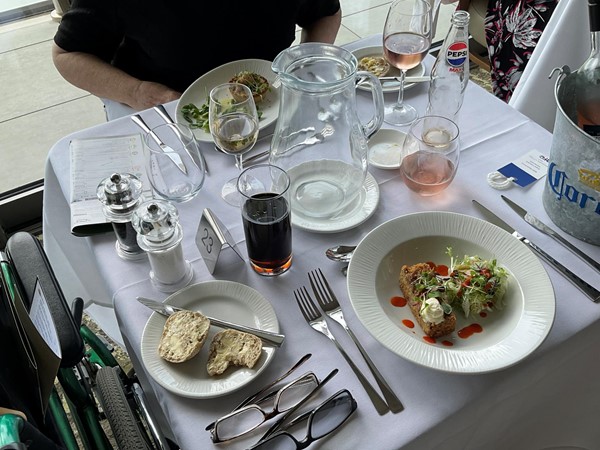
<point x="173" y="156"/>
<point x="330" y="305"/>
<point x="275" y="339"/>
<point x="585" y="287"/>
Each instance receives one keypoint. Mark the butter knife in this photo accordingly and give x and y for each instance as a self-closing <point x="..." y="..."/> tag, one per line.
<point x="137" y="119"/>
<point x="585" y="287"/>
<point x="164" y="114"/>
<point x="541" y="226"/>
<point x="166" y="310"/>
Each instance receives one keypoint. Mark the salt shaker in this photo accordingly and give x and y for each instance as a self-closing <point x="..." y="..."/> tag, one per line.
<point x="160" y="234"/>
<point x="121" y="193"/>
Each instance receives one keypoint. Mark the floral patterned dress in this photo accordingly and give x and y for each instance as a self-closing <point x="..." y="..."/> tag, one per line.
<point x="513" y="28"/>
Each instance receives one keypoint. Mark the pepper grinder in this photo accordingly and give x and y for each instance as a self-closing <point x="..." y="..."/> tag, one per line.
<point x="160" y="234"/>
<point x="120" y="194"/>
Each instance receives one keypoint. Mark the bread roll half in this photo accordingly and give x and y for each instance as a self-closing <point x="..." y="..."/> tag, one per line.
<point x="183" y="336"/>
<point x="232" y="347"/>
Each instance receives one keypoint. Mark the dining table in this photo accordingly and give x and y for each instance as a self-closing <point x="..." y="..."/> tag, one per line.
<point x="548" y="399"/>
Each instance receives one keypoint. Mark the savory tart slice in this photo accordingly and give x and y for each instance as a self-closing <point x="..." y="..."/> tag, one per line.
<point x="422" y="291"/>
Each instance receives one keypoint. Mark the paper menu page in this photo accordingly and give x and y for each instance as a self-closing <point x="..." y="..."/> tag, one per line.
<point x="42" y="319"/>
<point x="94" y="159"/>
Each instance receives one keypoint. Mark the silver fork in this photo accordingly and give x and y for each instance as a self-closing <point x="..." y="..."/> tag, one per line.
<point x="316" y="320"/>
<point x="332" y="308"/>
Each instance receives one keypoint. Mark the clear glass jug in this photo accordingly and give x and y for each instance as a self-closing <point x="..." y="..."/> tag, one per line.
<point x="319" y="139"/>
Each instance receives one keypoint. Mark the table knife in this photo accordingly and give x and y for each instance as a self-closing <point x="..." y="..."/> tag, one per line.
<point x="137" y="119"/>
<point x="166" y="310"/>
<point x="585" y="287"/>
<point x="164" y="114"/>
<point x="541" y="226"/>
<point x="385" y="81"/>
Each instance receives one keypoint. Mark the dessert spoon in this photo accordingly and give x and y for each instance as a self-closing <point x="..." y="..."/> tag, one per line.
<point x="340" y="253"/>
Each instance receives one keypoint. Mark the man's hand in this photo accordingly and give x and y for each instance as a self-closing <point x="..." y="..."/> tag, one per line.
<point x="149" y="94"/>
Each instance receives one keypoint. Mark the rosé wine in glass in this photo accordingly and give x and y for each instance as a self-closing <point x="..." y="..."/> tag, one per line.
<point x="405" y="50"/>
<point x="406" y="40"/>
<point x="430" y="155"/>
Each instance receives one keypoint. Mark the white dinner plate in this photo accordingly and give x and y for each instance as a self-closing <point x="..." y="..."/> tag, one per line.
<point x="385" y="148"/>
<point x="227" y="300"/>
<point x="508" y="336"/>
<point x="387" y="86"/>
<point x="198" y="92"/>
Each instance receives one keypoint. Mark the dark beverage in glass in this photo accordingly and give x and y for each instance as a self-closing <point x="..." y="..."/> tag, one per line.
<point x="266" y="219"/>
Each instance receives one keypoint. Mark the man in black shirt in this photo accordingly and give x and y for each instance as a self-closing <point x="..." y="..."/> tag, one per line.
<point x="146" y="52"/>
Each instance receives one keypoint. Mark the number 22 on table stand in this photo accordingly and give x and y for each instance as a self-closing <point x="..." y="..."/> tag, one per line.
<point x="212" y="236"/>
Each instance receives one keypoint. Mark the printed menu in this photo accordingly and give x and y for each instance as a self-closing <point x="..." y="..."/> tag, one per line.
<point x="93" y="160"/>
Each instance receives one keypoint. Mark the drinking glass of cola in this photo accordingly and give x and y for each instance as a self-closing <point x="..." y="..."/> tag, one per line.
<point x="430" y="155"/>
<point x="264" y="199"/>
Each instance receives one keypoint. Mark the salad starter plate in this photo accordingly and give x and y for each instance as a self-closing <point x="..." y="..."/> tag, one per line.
<point x="505" y="337"/>
<point x="198" y="92"/>
<point x="229" y="300"/>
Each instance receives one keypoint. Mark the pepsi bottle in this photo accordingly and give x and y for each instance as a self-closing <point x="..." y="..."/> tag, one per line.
<point x="450" y="73"/>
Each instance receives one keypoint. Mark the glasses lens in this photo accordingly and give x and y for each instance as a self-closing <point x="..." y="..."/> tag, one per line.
<point x="241" y="422"/>
<point x="332" y="414"/>
<point x="297" y="391"/>
<point x="278" y="442"/>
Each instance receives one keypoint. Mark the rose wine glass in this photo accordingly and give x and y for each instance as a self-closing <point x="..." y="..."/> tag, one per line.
<point x="406" y="40"/>
<point x="233" y="122"/>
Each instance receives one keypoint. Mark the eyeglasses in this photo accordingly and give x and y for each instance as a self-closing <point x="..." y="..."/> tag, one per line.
<point x="251" y="413"/>
<point x="250" y="417"/>
<point x="260" y="394"/>
<point x="323" y="420"/>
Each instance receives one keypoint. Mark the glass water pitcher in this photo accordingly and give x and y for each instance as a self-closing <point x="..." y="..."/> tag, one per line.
<point x="319" y="139"/>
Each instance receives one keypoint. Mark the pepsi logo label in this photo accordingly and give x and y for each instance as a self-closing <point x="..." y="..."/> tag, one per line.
<point x="457" y="54"/>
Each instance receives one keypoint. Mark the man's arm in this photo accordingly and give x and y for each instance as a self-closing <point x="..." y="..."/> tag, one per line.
<point x="100" y="78"/>
<point x="324" y="29"/>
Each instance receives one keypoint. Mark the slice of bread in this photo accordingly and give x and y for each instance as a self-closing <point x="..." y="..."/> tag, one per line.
<point x="408" y="276"/>
<point x="183" y="336"/>
<point x="232" y="347"/>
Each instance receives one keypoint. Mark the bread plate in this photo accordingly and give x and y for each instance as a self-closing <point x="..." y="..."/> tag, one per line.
<point x="197" y="92"/>
<point x="387" y="86"/>
<point x="507" y="336"/>
<point x="228" y="300"/>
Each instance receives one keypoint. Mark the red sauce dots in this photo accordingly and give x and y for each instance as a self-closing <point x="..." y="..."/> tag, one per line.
<point x="470" y="330"/>
<point x="398" y="301"/>
<point x="429" y="339"/>
<point x="408" y="323"/>
<point x="447" y="343"/>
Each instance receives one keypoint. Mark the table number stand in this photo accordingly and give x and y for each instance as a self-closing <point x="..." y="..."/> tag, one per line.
<point x="211" y="238"/>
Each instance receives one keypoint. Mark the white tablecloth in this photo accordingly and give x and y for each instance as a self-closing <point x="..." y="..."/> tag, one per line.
<point x="551" y="398"/>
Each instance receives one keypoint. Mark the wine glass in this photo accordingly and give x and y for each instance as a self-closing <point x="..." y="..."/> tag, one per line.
<point x="174" y="164"/>
<point x="430" y="155"/>
<point x="406" y="40"/>
<point x="233" y="122"/>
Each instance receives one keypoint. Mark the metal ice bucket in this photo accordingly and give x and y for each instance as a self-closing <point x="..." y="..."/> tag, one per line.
<point x="572" y="192"/>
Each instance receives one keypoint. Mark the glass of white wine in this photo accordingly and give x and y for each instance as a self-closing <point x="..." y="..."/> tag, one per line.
<point x="233" y="122"/>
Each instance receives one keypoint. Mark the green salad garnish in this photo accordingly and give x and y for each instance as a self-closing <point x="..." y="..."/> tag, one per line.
<point x="471" y="283"/>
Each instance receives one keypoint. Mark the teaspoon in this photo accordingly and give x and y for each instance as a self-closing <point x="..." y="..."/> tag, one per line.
<point x="340" y="253"/>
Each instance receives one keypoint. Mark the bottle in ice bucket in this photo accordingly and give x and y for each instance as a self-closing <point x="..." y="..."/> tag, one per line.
<point x="450" y="72"/>
<point x="572" y="191"/>
<point x="588" y="79"/>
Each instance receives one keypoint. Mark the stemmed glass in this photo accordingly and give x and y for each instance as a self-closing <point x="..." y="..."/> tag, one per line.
<point x="406" y="40"/>
<point x="233" y="122"/>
